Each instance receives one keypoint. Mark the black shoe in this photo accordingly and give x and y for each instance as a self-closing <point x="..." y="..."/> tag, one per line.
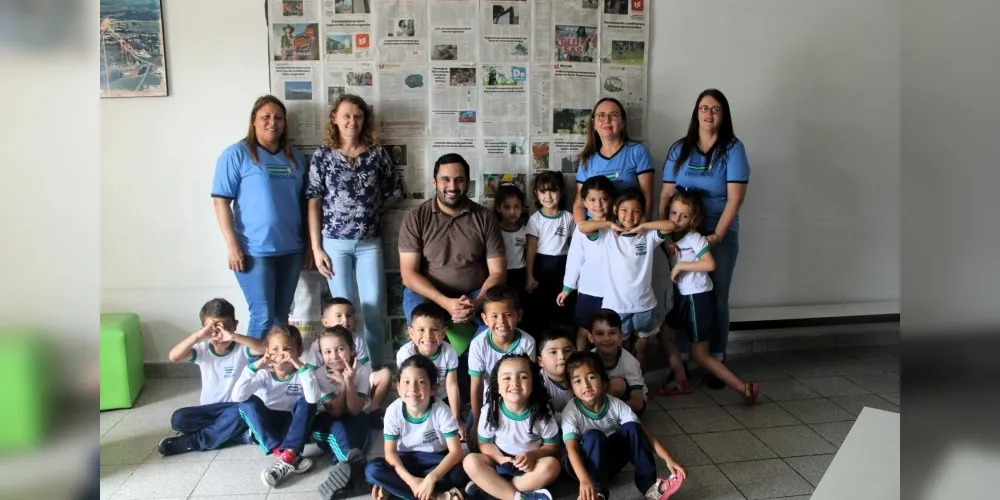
<point x="342" y="475"/>
<point x="174" y="445"/>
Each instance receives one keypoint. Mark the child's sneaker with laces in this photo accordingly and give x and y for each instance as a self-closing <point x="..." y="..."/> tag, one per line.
<point x="664" y="487"/>
<point x="541" y="494"/>
<point x="288" y="463"/>
<point x="473" y="492"/>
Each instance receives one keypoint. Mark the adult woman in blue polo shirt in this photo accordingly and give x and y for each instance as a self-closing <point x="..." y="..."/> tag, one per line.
<point x="258" y="198"/>
<point x="610" y="152"/>
<point x="712" y="160"/>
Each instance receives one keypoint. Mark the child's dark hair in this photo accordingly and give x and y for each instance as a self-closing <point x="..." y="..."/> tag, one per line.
<point x="289" y="331"/>
<point x="628" y="194"/>
<point x="555" y="332"/>
<point x="585" y="358"/>
<point x="343" y="334"/>
<point x="691" y="198"/>
<point x="217" y="308"/>
<point x="419" y="362"/>
<point x="538" y="401"/>
<point x="598" y="183"/>
<point x="501" y="293"/>
<point x="337" y="301"/>
<point x="507" y="190"/>
<point x="550" y="180"/>
<point x="606" y="315"/>
<point x="430" y="310"/>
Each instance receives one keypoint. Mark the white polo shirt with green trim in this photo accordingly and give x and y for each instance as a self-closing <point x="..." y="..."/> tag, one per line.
<point x="329" y="389"/>
<point x="484" y="354"/>
<point x="428" y="432"/>
<point x="445" y="359"/>
<point x="559" y="392"/>
<point x="691" y="247"/>
<point x="219" y="371"/>
<point x="627" y="367"/>
<point x="577" y="419"/>
<point x="277" y="394"/>
<point x="513" y="435"/>
<point x="360" y="351"/>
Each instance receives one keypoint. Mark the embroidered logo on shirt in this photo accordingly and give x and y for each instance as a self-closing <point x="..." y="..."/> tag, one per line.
<point x="293" y="390"/>
<point x="532" y="437"/>
<point x="561" y="230"/>
<point x="430" y="437"/>
<point x="519" y="242"/>
<point x="640" y="249"/>
<point x="228" y="371"/>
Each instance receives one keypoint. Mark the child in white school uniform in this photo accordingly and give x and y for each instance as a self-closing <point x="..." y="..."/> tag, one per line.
<point x="518" y="439"/>
<point x="342" y="425"/>
<point x="629" y="245"/>
<point x="423" y="453"/>
<point x="279" y="396"/>
<point x="501" y="314"/>
<point x="549" y="231"/>
<point x="626" y="380"/>
<point x="509" y="206"/>
<point x="428" y="322"/>
<point x="221" y="356"/>
<point x="554" y="347"/>
<point x="602" y="434"/>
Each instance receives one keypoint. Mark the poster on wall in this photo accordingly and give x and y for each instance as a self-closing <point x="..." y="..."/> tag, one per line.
<point x="132" y="53"/>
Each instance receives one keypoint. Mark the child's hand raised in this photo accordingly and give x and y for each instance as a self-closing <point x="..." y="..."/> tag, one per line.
<point x="350" y="368"/>
<point x="335" y="376"/>
<point x="265" y="361"/>
<point x="220" y="332"/>
<point x="207" y="331"/>
<point x="618" y="229"/>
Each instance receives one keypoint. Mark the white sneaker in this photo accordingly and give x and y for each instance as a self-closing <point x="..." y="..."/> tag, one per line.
<point x="276" y="473"/>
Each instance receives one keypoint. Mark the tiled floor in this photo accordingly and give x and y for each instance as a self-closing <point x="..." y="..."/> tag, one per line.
<point x="778" y="449"/>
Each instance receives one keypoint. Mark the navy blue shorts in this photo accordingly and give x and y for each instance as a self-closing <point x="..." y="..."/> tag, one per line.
<point x="693" y="315"/>
<point x="585" y="307"/>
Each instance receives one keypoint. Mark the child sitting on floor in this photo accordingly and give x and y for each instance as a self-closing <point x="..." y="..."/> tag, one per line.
<point x="626" y="380"/>
<point x="554" y="349"/>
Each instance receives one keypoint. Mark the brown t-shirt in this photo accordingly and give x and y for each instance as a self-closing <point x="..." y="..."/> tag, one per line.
<point x="453" y="250"/>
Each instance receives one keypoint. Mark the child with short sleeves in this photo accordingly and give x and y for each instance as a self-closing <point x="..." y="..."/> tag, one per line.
<point x="428" y="322"/>
<point x="422" y="450"/>
<point x="501" y="315"/>
<point x="509" y="206"/>
<point x="549" y="231"/>
<point x="629" y="246"/>
<point x="602" y="434"/>
<point x="279" y="396"/>
<point x="221" y="356"/>
<point x="554" y="348"/>
<point x="518" y="439"/>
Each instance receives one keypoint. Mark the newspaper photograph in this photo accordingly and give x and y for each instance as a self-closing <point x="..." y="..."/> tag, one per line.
<point x="402" y="30"/>
<point x="628" y="85"/>
<point x="576" y="43"/>
<point x="391" y="222"/>
<point x="454" y="35"/>
<point x="293" y="11"/>
<point x="493" y="180"/>
<point x="347" y="31"/>
<point x="409" y="159"/>
<point x="505" y="27"/>
<point x="295" y="41"/>
<point x="541" y="19"/>
<point x="356" y="78"/>
<point x="465" y="146"/>
<point x="565" y="153"/>
<point x="454" y="100"/>
<point x="571" y="106"/>
<point x="503" y="99"/>
<point x="575" y="13"/>
<point x="625" y="33"/>
<point x="540" y="154"/>
<point x="298" y="86"/>
<point x="540" y="106"/>
<point x="403" y="102"/>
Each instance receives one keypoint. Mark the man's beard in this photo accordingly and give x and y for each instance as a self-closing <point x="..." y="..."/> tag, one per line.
<point x="460" y="198"/>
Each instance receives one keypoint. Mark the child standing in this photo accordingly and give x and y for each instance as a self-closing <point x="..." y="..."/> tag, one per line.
<point x="428" y="323"/>
<point x="625" y="377"/>
<point x="602" y="433"/>
<point x="501" y="314"/>
<point x="518" y="440"/>
<point x="221" y="356"/>
<point x="422" y="449"/>
<point x="554" y="348"/>
<point x="549" y="231"/>
<point x="629" y="245"/>
<point x="343" y="426"/>
<point x="597" y="193"/>
<point x="694" y="303"/>
<point x="510" y="210"/>
<point x="279" y="395"/>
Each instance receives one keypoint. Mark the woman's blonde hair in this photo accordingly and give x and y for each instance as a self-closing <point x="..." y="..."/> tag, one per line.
<point x="593" y="144"/>
<point x="251" y="138"/>
<point x="367" y="136"/>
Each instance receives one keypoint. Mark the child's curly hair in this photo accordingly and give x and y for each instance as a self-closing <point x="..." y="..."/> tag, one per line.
<point x="538" y="401"/>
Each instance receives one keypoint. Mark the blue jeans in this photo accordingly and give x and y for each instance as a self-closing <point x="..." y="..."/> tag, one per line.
<point x="725" y="263"/>
<point x="361" y="261"/>
<point x="268" y="283"/>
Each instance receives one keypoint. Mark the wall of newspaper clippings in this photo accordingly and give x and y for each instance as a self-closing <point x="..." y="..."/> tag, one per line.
<point x="508" y="84"/>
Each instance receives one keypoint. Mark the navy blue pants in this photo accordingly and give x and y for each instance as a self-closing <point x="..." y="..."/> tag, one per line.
<point x="605" y="456"/>
<point x="341" y="434"/>
<point x="274" y="429"/>
<point x="418" y="463"/>
<point x="541" y="310"/>
<point x="209" y="426"/>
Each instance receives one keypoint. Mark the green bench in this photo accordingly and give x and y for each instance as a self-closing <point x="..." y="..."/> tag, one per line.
<point x="122" y="374"/>
<point x="25" y="368"/>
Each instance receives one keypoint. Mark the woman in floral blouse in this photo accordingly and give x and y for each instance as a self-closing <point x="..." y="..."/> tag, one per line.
<point x="351" y="180"/>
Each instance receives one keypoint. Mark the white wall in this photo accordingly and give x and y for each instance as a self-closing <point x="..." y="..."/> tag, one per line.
<point x="814" y="92"/>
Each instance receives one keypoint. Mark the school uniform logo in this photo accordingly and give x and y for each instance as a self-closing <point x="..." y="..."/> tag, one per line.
<point x="561" y="230"/>
<point x="293" y="390"/>
<point x="430" y="437"/>
<point x="519" y="242"/>
<point x="228" y="372"/>
<point x="640" y="249"/>
<point x="278" y="171"/>
<point x="533" y="437"/>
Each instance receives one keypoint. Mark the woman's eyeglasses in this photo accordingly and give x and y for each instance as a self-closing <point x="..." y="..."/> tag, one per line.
<point x="704" y="108"/>
<point x="607" y="116"/>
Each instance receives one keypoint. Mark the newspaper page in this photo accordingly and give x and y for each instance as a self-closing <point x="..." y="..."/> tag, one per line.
<point x="504" y="160"/>
<point x="564" y="153"/>
<point x="624" y="32"/>
<point x="293" y="11"/>
<point x="541" y="20"/>
<point x="540" y="155"/>
<point x="506" y="30"/>
<point x="541" y="99"/>
<point x="465" y="146"/>
<point x="503" y="99"/>
<point x="628" y="85"/>
<point x="391" y="222"/>
<point x="571" y="106"/>
<point x="402" y="30"/>
<point x="409" y="158"/>
<point x="454" y="100"/>
<point x="347" y="30"/>
<point x="454" y="33"/>
<point x="356" y="78"/>
<point x="297" y="84"/>
<point x="403" y="105"/>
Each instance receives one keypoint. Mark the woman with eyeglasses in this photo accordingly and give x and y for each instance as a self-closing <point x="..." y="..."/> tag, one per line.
<point x="610" y="152"/>
<point x="711" y="160"/>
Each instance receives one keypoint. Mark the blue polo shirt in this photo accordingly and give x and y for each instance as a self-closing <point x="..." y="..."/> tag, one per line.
<point x="712" y="180"/>
<point x="267" y="198"/>
<point x="622" y="168"/>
